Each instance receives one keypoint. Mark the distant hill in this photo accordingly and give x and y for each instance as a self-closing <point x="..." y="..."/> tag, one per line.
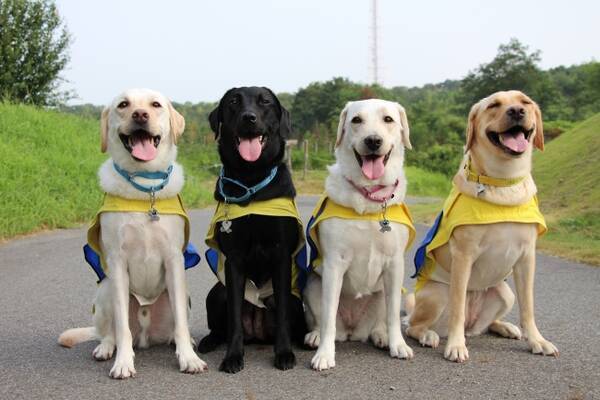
<point x="568" y="178"/>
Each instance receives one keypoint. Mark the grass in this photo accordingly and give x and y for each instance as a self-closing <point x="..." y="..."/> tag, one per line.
<point x="568" y="179"/>
<point x="50" y="161"/>
<point x="49" y="169"/>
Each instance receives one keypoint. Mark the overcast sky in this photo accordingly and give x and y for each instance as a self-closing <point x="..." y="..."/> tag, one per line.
<point x="195" y="50"/>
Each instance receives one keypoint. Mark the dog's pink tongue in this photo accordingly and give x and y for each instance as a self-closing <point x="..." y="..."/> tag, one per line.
<point x="373" y="168"/>
<point x="516" y="143"/>
<point x="250" y="149"/>
<point x="143" y="149"/>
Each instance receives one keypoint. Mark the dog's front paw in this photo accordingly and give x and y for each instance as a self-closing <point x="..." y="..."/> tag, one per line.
<point x="543" y="346"/>
<point x="232" y="364"/>
<point x="312" y="339"/>
<point x="122" y="368"/>
<point x="401" y="350"/>
<point x="104" y="351"/>
<point x="190" y="363"/>
<point x="430" y="339"/>
<point x="456" y="352"/>
<point x="285" y="360"/>
<point x="379" y="338"/>
<point x="323" y="360"/>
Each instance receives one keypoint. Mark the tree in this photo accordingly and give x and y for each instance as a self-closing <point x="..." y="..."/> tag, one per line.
<point x="512" y="68"/>
<point x="34" y="44"/>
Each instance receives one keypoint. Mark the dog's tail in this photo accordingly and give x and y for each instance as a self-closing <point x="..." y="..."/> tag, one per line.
<point x="71" y="337"/>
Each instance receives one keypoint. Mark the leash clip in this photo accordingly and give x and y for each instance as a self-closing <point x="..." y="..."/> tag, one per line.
<point x="153" y="212"/>
<point x="384" y="223"/>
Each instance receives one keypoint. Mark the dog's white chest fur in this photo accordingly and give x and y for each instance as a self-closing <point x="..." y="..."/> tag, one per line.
<point x="365" y="248"/>
<point x="143" y="245"/>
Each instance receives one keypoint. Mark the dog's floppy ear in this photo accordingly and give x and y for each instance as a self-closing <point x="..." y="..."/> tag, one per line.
<point x="285" y="122"/>
<point x="404" y="127"/>
<point x="176" y="121"/>
<point x="104" y="129"/>
<point x="214" y="119"/>
<point x="538" y="139"/>
<point x="472" y="125"/>
<point x="342" y="124"/>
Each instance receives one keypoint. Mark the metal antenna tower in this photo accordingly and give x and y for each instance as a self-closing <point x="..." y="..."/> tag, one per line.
<point x="374" y="44"/>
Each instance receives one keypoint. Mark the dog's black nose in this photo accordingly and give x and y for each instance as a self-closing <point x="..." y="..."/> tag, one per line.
<point x="249" y="117"/>
<point x="516" y="112"/>
<point x="373" y="142"/>
<point x="140" y="116"/>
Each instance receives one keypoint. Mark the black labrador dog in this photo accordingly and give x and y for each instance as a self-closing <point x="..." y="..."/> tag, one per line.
<point x="251" y="126"/>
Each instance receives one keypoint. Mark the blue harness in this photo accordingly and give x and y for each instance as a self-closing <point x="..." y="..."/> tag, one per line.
<point x="249" y="190"/>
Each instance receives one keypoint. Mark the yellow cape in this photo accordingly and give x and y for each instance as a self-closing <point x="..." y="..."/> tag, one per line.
<point x="326" y="208"/>
<point x="460" y="209"/>
<point x="279" y="207"/>
<point x="112" y="203"/>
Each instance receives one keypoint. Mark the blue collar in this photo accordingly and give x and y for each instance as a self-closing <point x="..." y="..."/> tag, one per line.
<point x="130" y="176"/>
<point x="249" y="190"/>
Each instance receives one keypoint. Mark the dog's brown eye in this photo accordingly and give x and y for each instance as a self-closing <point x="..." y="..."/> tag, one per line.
<point x="265" y="101"/>
<point x="388" y="119"/>
<point x="156" y="104"/>
<point x="123" y="104"/>
<point x="494" y="105"/>
<point x="356" y="120"/>
<point x="233" y="100"/>
<point x="526" y="102"/>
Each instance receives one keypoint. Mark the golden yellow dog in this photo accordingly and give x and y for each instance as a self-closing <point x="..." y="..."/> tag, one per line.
<point x="488" y="231"/>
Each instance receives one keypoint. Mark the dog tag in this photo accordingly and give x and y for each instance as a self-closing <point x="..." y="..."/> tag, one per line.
<point x="480" y="188"/>
<point x="385" y="226"/>
<point x="226" y="226"/>
<point x="153" y="213"/>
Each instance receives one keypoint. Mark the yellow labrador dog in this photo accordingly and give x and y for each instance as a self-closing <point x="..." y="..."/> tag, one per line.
<point x="487" y="231"/>
<point x="358" y="235"/>
<point x="138" y="237"/>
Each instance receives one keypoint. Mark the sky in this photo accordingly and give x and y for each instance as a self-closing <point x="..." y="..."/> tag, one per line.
<point x="196" y="50"/>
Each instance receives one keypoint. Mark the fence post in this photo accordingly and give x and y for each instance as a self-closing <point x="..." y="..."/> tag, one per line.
<point x="288" y="152"/>
<point x="305" y="159"/>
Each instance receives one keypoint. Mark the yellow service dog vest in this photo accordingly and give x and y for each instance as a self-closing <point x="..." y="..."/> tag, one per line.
<point x="173" y="206"/>
<point x="279" y="207"/>
<point x="326" y="208"/>
<point x="460" y="209"/>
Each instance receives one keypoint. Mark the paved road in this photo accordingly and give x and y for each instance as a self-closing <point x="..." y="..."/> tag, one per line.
<point x="45" y="287"/>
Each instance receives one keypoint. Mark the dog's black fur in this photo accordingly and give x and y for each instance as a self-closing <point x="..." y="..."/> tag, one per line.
<point x="259" y="247"/>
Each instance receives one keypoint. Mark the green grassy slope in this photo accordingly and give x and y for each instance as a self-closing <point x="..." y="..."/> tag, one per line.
<point x="568" y="178"/>
<point x="48" y="177"/>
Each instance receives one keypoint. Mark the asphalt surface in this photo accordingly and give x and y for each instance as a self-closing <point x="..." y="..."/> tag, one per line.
<point x="45" y="287"/>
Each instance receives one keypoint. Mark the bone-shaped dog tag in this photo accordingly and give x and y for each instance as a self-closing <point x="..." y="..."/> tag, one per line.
<point x="385" y="226"/>
<point x="226" y="226"/>
<point x="153" y="213"/>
